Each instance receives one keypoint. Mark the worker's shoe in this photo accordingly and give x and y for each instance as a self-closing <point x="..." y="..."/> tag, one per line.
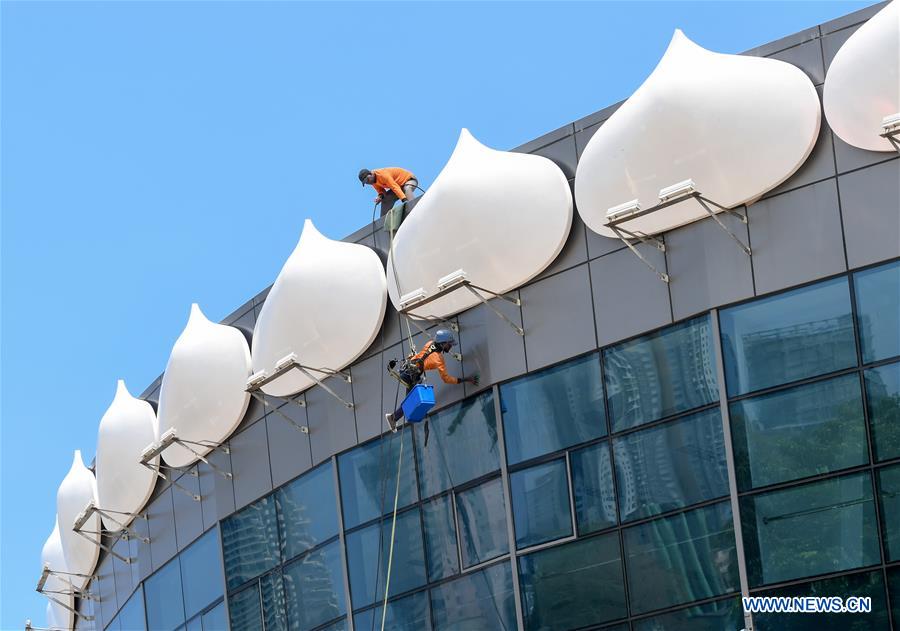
<point x="389" y="417"/>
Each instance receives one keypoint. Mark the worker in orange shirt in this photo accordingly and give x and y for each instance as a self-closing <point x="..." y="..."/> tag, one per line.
<point x="429" y="358"/>
<point x="392" y="184"/>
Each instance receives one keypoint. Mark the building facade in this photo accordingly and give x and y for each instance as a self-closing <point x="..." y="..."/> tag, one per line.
<point x="643" y="456"/>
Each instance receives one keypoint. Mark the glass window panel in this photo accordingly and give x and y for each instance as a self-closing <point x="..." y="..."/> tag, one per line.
<point x="368" y="570"/>
<point x="791" y="336"/>
<point x="462" y="446"/>
<point x="201" y="571"/>
<point x="573" y="585"/>
<point x="440" y="538"/>
<point x="671" y="466"/>
<point x="889" y="496"/>
<point x="481" y="600"/>
<point x="540" y="500"/>
<point x="816" y="528"/>
<point x="679" y="559"/>
<point x="340" y="625"/>
<point x="307" y="511"/>
<point x="798" y="432"/>
<point x="894" y="589"/>
<point x="595" y="500"/>
<point x="131" y="616"/>
<point x="883" y="400"/>
<point x="553" y="409"/>
<point x="407" y="614"/>
<point x="245" y="609"/>
<point x="660" y="374"/>
<point x="195" y="624"/>
<point x="724" y="615"/>
<point x="878" y="311"/>
<point x="250" y="542"/>
<point x="368" y="478"/>
<point x="314" y="588"/>
<point x="271" y="588"/>
<point x="215" y="619"/>
<point x="165" y="607"/>
<point x="869" y="584"/>
<point x="481" y="513"/>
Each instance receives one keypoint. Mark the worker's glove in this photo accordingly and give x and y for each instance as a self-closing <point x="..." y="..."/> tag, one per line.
<point x="391" y="364"/>
<point x="399" y="204"/>
<point x="378" y="199"/>
<point x="473" y="379"/>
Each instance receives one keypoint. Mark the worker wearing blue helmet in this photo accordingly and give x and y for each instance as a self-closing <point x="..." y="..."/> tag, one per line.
<point x="411" y="370"/>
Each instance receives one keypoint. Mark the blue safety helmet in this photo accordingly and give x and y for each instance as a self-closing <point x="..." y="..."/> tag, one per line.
<point x="443" y="335"/>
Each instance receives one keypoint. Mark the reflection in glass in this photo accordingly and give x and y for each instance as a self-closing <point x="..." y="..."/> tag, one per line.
<point x="595" y="501"/>
<point x="365" y="472"/>
<point x="407" y="614"/>
<point x="573" y="585"/>
<point x="878" y="311"/>
<point x="368" y="570"/>
<point x="440" y="538"/>
<point x="815" y="528"/>
<point x="245" y="610"/>
<point x="481" y="600"/>
<point x="482" y="522"/>
<point x="307" y="512"/>
<point x="671" y="466"/>
<point x="660" y="374"/>
<point x="883" y="400"/>
<point x="201" y="573"/>
<point x="869" y="584"/>
<point x="889" y="496"/>
<point x="894" y="589"/>
<point x="553" y="409"/>
<point x="540" y="500"/>
<point x="250" y="542"/>
<point x="723" y="615"/>
<point x="679" y="559"/>
<point x="791" y="336"/>
<point x="798" y="432"/>
<point x="214" y="619"/>
<point x="314" y="588"/>
<point x="165" y="609"/>
<point x="462" y="446"/>
<point x="131" y="615"/>
<point x="271" y="588"/>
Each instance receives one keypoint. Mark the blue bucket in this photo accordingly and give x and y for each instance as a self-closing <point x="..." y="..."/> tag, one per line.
<point x="417" y="403"/>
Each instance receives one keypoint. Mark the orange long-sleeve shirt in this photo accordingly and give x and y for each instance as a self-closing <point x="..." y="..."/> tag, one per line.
<point x="391" y="178"/>
<point x="435" y="361"/>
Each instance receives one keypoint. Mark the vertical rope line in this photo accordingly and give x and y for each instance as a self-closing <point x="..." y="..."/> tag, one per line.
<point x="387" y="582"/>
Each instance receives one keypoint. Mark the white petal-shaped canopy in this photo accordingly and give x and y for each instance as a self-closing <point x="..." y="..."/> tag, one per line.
<point x="737" y="126"/>
<point x="203" y="389"/>
<point x="326" y="307"/>
<point x="499" y="216"/>
<point x="863" y="82"/>
<point x="52" y="556"/>
<point x="123" y="484"/>
<point x="75" y="491"/>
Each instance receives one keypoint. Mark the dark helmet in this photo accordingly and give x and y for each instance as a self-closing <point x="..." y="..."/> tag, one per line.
<point x="443" y="335"/>
<point x="363" y="174"/>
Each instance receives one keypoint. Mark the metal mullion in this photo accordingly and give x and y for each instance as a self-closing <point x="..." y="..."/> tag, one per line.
<point x="820" y="477"/>
<point x="343" y="542"/>
<point x="688" y="605"/>
<point x="507" y="496"/>
<point x="873" y="475"/>
<point x="729" y="462"/>
<point x="818" y="577"/>
<point x="618" y="528"/>
<point x="834" y="374"/>
<point x="571" y="486"/>
<point x="538" y="547"/>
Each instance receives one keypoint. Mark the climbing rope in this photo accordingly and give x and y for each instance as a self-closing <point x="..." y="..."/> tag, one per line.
<point x="387" y="580"/>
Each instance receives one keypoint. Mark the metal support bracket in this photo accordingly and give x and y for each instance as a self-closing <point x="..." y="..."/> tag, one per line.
<point x="170" y="438"/>
<point x="300" y="402"/>
<point x="643" y="239"/>
<point x="893" y="137"/>
<point x="51" y="594"/>
<point x="290" y="363"/>
<point x="449" y="288"/>
<point x="126" y="532"/>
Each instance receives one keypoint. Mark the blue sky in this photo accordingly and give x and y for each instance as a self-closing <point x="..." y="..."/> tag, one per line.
<point x="157" y="154"/>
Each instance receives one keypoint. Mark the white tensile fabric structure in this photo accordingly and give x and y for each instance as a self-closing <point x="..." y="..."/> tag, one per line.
<point x="203" y="389"/>
<point x="75" y="491"/>
<point x="501" y="217"/>
<point x="326" y="307"/>
<point x="862" y="86"/>
<point x="52" y="556"/>
<point x="123" y="484"/>
<point x="737" y="126"/>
